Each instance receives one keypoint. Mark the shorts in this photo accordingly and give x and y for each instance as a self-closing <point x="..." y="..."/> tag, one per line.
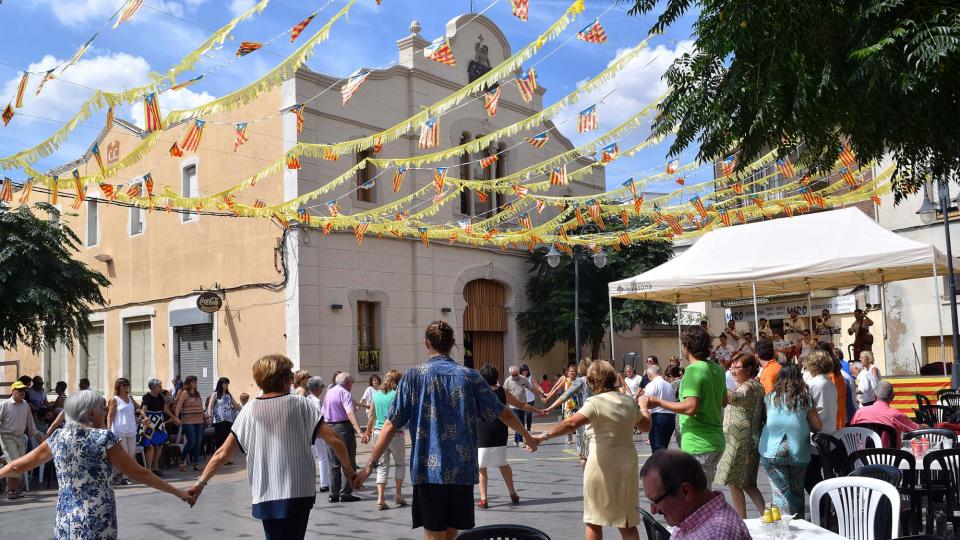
<point x="709" y="460"/>
<point x="492" y="457"/>
<point x="438" y="507"/>
<point x="12" y="445"/>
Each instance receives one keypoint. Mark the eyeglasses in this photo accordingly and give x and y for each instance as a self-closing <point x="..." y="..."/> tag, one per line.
<point x="735" y="367"/>
<point x="657" y="500"/>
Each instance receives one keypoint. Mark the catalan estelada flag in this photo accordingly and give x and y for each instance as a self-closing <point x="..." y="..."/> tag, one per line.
<point x="352" y="84"/>
<point x="128" y="11"/>
<point x="673" y="166"/>
<point x="192" y="140"/>
<point x="786" y="168"/>
<point x="440" y="51"/>
<point x="527" y="84"/>
<point x="587" y="119"/>
<point x="299" y="27"/>
<point x="151" y="112"/>
<point x="175" y="150"/>
<point x="525" y="221"/>
<point x="185" y="84"/>
<point x="558" y="176"/>
<point x="240" y="135"/>
<point x="377" y="145"/>
<point x="46" y="77"/>
<point x="593" y="206"/>
<point x="108" y="191"/>
<point x="21" y="88"/>
<point x="520" y="191"/>
<point x="297" y="110"/>
<point x="360" y="230"/>
<point x="439" y="176"/>
<point x="424" y="235"/>
<point x="698" y="205"/>
<point x="578" y="214"/>
<point x="135" y="189"/>
<point x="759" y="202"/>
<point x="593" y="33"/>
<point x="540" y="206"/>
<point x="7" y="115"/>
<point x="787" y="210"/>
<point x="846" y="156"/>
<point x="95" y="152"/>
<point x="624" y="239"/>
<point x="848" y="177"/>
<point x="109" y="121"/>
<point x="724" y="217"/>
<point x="465" y="225"/>
<point x="609" y="153"/>
<point x="808" y="196"/>
<point x="737" y="188"/>
<point x="490" y="100"/>
<point x="538" y="140"/>
<point x="520" y="8"/>
<point x="333" y="208"/>
<point x="398" y="178"/>
<point x="248" y="47"/>
<point x="488" y="160"/>
<point x="727" y="165"/>
<point x="430" y="134"/>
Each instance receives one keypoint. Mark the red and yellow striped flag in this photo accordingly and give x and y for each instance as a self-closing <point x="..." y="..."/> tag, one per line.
<point x="151" y="112"/>
<point x="25" y="191"/>
<point x="293" y="162"/>
<point x="299" y="27"/>
<point x="439" y="176"/>
<point x="6" y="191"/>
<point x="360" y="230"/>
<point x="846" y="156"/>
<point x="248" y="47"/>
<point x="21" y="88"/>
<point x="398" y="178"/>
<point x="192" y="140"/>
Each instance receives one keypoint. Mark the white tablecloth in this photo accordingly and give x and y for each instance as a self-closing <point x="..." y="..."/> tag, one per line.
<point x="800" y="528"/>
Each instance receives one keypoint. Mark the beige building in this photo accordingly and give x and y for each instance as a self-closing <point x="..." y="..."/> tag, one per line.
<point x="324" y="301"/>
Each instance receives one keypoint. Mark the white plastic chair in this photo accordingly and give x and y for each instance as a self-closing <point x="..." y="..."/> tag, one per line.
<point x="26" y="475"/>
<point x="855" y="438"/>
<point x="856" y="501"/>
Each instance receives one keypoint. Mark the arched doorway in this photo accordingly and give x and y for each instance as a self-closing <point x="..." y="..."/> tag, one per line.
<point x="484" y="323"/>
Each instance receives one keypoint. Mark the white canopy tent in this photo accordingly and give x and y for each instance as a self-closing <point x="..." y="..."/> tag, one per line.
<point x="826" y="250"/>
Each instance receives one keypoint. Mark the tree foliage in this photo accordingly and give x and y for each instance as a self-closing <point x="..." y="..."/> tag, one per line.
<point x="45" y="294"/>
<point x="881" y="74"/>
<point x="549" y="315"/>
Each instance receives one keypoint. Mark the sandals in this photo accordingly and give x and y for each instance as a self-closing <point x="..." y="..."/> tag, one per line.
<point x="196" y="467"/>
<point x="400" y="501"/>
<point x="382" y="505"/>
<point x="514" y="498"/>
<point x="482" y="503"/>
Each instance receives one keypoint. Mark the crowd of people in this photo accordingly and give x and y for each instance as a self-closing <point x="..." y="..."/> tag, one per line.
<point x="733" y="408"/>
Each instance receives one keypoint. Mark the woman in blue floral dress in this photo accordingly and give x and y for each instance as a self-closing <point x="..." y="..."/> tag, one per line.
<point x="85" y="455"/>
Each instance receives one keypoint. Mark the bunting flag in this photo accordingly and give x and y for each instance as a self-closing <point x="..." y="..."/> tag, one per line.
<point x="192" y="140"/>
<point x="490" y="100"/>
<point x="439" y="176"/>
<point x="488" y="160"/>
<point x="558" y="176"/>
<point x="398" y="178"/>
<point x="151" y="112"/>
<point x="540" y="206"/>
<point x="787" y="209"/>
<point x="808" y="196"/>
<point x="240" y="135"/>
<point x="7" y="115"/>
<point x="848" y="177"/>
<point x="806" y="179"/>
<point x="300" y="27"/>
<point x="759" y="202"/>
<point x="563" y="233"/>
<point x="631" y="185"/>
<point x="248" y="47"/>
<point x="297" y="110"/>
<point x="438" y="198"/>
<point x="134" y="190"/>
<point x="681" y="180"/>
<point x="624" y="239"/>
<point x="673" y="223"/>
<point x="593" y="33"/>
<point x="520" y="8"/>
<point x="821" y="202"/>
<point x="352" y="84"/>
<point x="327" y="226"/>
<point x="293" y="162"/>
<point x="231" y="202"/>
<point x="430" y="134"/>
<point x="424" y="236"/>
<point x="377" y="145"/>
<point x="25" y="191"/>
<point x="525" y="221"/>
<point x="21" y="88"/>
<point x="578" y="214"/>
<point x="737" y="188"/>
<point x="876" y="199"/>
<point x="727" y="165"/>
<point x="637" y="204"/>
<point x="95" y="151"/>
<point x="520" y="191"/>
<point x="109" y="121"/>
<point x="538" y="140"/>
<point x="185" y="84"/>
<point x="80" y="52"/>
<point x="673" y="166"/>
<point x="609" y="153"/>
<point x="54" y="189"/>
<point x="624" y="218"/>
<point x="595" y="212"/>
<point x="786" y="168"/>
<point x="803" y="209"/>
<point x="175" y="150"/>
<point x="108" y="191"/>
<point x="330" y="154"/>
<point x="587" y="119"/>
<point x="303" y="216"/>
<point x="697" y="203"/>
<point x="481" y="196"/>
<point x="724" y="217"/>
<point x="128" y="11"/>
<point x="465" y="225"/>
<point x="741" y="217"/>
<point x="360" y="230"/>
<point x="846" y="156"/>
<point x="148" y="182"/>
<point x="333" y="208"/>
<point x="259" y="203"/>
<point x="6" y="192"/>
<point x="46" y="77"/>
<point x="527" y="84"/>
<point x="440" y="51"/>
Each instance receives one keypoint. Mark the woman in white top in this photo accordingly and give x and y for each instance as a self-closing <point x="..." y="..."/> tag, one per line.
<point x="315" y="388"/>
<point x="122" y="420"/>
<point x="823" y="394"/>
<point x="631" y="382"/>
<point x="807" y="344"/>
<point x="277" y="431"/>
<point x="373" y="386"/>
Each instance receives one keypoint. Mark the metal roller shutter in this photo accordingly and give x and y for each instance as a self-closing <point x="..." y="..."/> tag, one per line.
<point x="94" y="358"/>
<point x="196" y="355"/>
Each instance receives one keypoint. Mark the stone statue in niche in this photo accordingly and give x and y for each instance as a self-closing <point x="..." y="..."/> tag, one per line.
<point x="481" y="60"/>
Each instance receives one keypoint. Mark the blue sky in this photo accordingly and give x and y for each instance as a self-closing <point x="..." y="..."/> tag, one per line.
<point x="40" y="33"/>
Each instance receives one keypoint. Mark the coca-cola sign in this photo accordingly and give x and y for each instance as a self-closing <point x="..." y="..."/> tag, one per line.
<point x="209" y="302"/>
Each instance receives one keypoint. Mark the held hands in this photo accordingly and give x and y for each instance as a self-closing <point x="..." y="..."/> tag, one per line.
<point x="365" y="438"/>
<point x="541" y="412"/>
<point x="531" y="442"/>
<point x="187" y="497"/>
<point x="194" y="493"/>
<point x="360" y="476"/>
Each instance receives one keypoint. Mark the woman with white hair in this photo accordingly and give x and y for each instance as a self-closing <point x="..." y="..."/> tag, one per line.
<point x="315" y="388"/>
<point x="85" y="455"/>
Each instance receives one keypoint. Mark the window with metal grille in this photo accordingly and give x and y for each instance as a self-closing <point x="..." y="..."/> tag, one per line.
<point x="364" y="175"/>
<point x="368" y="341"/>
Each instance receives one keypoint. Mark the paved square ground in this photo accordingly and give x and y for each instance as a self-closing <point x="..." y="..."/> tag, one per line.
<point x="548" y="481"/>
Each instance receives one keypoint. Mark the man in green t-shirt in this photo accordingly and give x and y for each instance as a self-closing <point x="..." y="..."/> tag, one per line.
<point x="703" y="395"/>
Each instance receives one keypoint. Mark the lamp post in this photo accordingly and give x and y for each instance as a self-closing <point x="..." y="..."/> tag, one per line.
<point x="943" y="192"/>
<point x="599" y="260"/>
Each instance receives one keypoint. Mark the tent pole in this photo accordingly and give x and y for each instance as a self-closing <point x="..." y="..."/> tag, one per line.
<point x="809" y="314"/>
<point x="756" y="317"/>
<point x="679" y="332"/>
<point x="936" y="304"/>
<point x="613" y="356"/>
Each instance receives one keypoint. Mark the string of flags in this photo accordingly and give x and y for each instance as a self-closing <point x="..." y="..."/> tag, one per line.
<point x="593" y="33"/>
<point x="439" y="50"/>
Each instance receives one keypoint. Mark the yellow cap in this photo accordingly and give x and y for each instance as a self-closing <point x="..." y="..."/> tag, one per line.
<point x="17" y="385"/>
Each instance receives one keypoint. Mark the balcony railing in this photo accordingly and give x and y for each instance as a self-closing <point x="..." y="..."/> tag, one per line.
<point x="368" y="360"/>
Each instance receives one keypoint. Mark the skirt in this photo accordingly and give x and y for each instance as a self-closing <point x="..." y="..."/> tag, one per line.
<point x="492" y="457"/>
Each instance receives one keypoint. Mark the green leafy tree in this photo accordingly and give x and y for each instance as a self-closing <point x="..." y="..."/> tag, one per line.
<point x="549" y="315"/>
<point x="46" y="293"/>
<point x="882" y="75"/>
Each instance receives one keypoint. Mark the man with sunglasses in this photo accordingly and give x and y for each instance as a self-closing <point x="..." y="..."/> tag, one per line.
<point x="677" y="488"/>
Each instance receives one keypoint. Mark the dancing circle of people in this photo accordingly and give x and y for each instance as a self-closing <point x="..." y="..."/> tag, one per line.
<point x="733" y="408"/>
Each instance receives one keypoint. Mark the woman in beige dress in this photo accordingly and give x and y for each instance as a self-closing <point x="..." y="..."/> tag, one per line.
<point x="611" y="480"/>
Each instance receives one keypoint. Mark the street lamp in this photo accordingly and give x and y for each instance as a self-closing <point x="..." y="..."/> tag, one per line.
<point x="943" y="192"/>
<point x="599" y="260"/>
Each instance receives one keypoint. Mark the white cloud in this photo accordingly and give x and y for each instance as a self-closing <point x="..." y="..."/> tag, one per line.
<point x="633" y="89"/>
<point x="184" y="98"/>
<point x="237" y="7"/>
<point x="76" y="12"/>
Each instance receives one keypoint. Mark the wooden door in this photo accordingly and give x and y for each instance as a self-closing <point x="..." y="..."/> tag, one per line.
<point x="486" y="320"/>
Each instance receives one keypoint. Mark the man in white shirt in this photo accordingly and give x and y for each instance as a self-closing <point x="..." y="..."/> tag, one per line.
<point x="663" y="420"/>
<point x="733" y="338"/>
<point x="866" y="384"/>
<point x="723" y="352"/>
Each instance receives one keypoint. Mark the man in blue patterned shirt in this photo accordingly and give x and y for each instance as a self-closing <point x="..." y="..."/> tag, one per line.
<point x="442" y="402"/>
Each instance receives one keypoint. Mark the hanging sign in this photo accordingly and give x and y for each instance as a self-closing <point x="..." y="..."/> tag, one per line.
<point x="209" y="302"/>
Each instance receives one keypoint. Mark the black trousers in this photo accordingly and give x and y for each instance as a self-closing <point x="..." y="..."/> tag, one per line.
<point x="292" y="527"/>
<point x="339" y="484"/>
<point x="221" y="430"/>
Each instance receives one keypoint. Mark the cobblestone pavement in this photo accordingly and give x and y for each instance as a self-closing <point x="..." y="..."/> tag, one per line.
<point x="548" y="481"/>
